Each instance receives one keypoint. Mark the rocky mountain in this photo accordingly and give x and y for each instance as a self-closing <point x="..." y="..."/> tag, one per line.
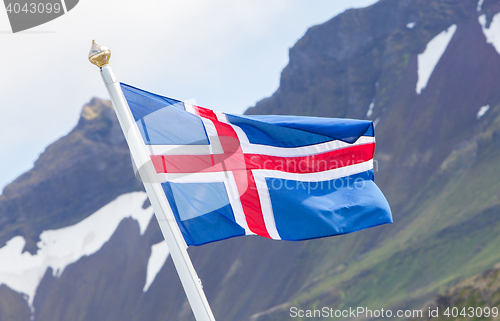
<point x="67" y="182"/>
<point x="425" y="71"/>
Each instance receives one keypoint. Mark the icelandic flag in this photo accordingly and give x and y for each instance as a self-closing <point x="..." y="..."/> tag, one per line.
<point x="281" y="177"/>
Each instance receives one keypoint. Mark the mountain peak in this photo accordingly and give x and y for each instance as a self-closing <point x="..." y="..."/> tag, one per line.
<point x="95" y="109"/>
<point x="98" y="123"/>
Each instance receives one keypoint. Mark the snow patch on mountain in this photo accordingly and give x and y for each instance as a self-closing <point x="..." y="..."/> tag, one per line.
<point x="428" y="59"/>
<point x="410" y="25"/>
<point x="370" y="109"/>
<point x="479" y="5"/>
<point x="482" y="111"/>
<point x="22" y="272"/>
<point x="492" y="33"/>
<point x="159" y="255"/>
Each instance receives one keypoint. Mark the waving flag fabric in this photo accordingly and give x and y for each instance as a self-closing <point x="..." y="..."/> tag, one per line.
<point x="280" y="177"/>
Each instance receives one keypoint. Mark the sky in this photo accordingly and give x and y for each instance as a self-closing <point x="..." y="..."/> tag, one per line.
<point x="225" y="54"/>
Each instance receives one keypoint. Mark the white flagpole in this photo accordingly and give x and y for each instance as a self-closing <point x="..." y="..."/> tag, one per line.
<point x="99" y="55"/>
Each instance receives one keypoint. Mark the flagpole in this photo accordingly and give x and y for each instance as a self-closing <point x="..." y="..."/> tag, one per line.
<point x="99" y="56"/>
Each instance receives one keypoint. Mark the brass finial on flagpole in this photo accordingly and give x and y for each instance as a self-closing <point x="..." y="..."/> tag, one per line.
<point x="99" y="55"/>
